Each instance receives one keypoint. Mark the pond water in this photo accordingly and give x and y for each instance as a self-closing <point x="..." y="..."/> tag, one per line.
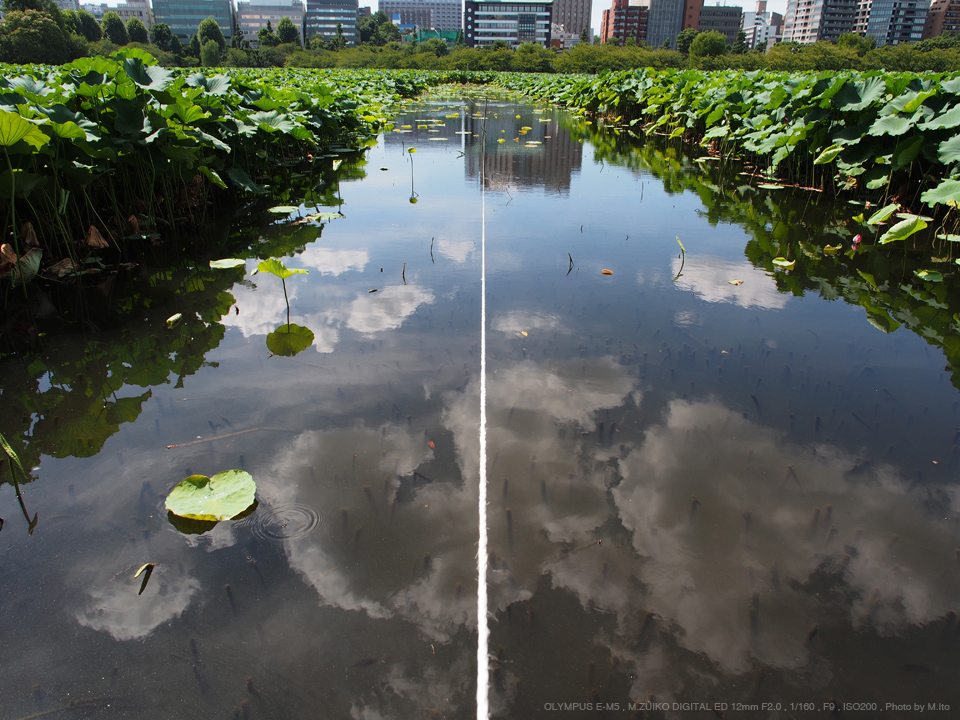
<point x="699" y="491"/>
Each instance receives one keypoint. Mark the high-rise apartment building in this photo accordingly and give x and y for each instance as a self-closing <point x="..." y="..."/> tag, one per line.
<point x="808" y="21"/>
<point x="436" y="14"/>
<point x="184" y="17"/>
<point x="664" y="21"/>
<point x="944" y="16"/>
<point x="513" y="21"/>
<point x="761" y="26"/>
<point x="892" y="22"/>
<point x="724" y="19"/>
<point x="139" y="9"/>
<point x="574" y="15"/>
<point x="323" y="16"/>
<point x="253" y="16"/>
<point x="623" y="20"/>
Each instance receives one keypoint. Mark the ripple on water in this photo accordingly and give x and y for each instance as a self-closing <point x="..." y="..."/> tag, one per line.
<point x="290" y="521"/>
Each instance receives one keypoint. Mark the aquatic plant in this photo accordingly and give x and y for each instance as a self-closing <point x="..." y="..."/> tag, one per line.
<point x="288" y="339"/>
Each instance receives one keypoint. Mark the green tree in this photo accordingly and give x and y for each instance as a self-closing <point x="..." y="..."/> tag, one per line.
<point x="160" y="32"/>
<point x="499" y="45"/>
<point x="434" y="45"/>
<point x="740" y="45"/>
<point x="31" y="36"/>
<point x="665" y="45"/>
<point x="287" y="31"/>
<point x="210" y="54"/>
<point x="210" y="30"/>
<point x="367" y="27"/>
<point x="266" y="37"/>
<point x="194" y="48"/>
<point x="615" y="41"/>
<point x="338" y="42"/>
<point x="708" y="44"/>
<point x="113" y="28"/>
<point x="237" y="40"/>
<point x="88" y="27"/>
<point x="585" y="35"/>
<point x="388" y="32"/>
<point x="176" y="47"/>
<point x="685" y="38"/>
<point x="70" y="22"/>
<point x="137" y="31"/>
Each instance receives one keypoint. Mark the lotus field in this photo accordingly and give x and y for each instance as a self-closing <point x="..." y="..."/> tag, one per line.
<point x="108" y="151"/>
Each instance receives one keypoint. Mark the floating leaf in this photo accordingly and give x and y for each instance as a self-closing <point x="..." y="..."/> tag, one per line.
<point x="831" y="249"/>
<point x="948" y="237"/>
<point x="411" y="150"/>
<point x="784" y="263"/>
<point x="326" y="216"/>
<point x="902" y="230"/>
<point x="606" y="272"/>
<point x="220" y="497"/>
<point x="275" y="267"/>
<point x="289" y="340"/>
<point x="735" y="282"/>
<point x="770" y="186"/>
<point x="174" y="320"/>
<point x="284" y="209"/>
<point x="227" y="263"/>
<point x="148" y="567"/>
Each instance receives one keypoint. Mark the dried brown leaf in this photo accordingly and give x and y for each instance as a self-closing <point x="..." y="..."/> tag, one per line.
<point x="29" y="235"/>
<point x="95" y="239"/>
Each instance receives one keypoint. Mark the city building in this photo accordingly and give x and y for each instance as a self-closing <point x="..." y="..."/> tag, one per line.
<point x="808" y="21"/>
<point x="665" y="19"/>
<point x="513" y="21"/>
<point x="184" y="17"/>
<point x="573" y="15"/>
<point x="623" y="20"/>
<point x="253" y="15"/>
<point x="691" y="14"/>
<point x="323" y="16"/>
<point x="139" y="9"/>
<point x="96" y="10"/>
<point x="364" y="12"/>
<point x="761" y="26"/>
<point x="724" y="19"/>
<point x="891" y="22"/>
<point x="944" y="17"/>
<point x="68" y="4"/>
<point x="436" y="14"/>
<point x="561" y="39"/>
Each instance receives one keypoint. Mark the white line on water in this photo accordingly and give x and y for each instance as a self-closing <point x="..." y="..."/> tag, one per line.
<point x="483" y="630"/>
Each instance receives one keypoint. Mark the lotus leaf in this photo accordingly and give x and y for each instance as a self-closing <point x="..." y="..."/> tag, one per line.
<point x="289" y="340"/>
<point x="275" y="267"/>
<point x="902" y="230"/>
<point x="220" y="497"/>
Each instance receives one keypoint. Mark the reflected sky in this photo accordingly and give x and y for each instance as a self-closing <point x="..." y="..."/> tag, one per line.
<point x="698" y="491"/>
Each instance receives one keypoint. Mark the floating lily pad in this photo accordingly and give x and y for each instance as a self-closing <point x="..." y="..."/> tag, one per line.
<point x="288" y="340"/>
<point x="227" y="263"/>
<point x="784" y="263"/>
<point x="221" y="497"/>
<point x="326" y="216"/>
<point x="284" y="209"/>
<point x="174" y="320"/>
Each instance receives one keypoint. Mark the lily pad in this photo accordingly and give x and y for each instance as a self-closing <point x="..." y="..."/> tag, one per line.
<point x="227" y="263"/>
<point x="784" y="263"/>
<point x="284" y="209"/>
<point x="289" y="340"/>
<point x="221" y="497"/>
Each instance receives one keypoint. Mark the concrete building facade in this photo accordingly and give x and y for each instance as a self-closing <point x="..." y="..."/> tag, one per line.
<point x="761" y="26"/>
<point x="944" y="16"/>
<point x="513" y="21"/>
<point x="573" y="15"/>
<point x="623" y="20"/>
<point x="436" y="14"/>
<point x="139" y="9"/>
<point x="892" y="22"/>
<point x="252" y="16"/>
<point x="808" y="21"/>
<point x="725" y="19"/>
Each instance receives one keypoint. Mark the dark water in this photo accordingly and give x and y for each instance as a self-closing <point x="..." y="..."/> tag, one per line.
<point x="699" y="492"/>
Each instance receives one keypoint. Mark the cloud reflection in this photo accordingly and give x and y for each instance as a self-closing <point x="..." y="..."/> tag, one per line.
<point x="708" y="276"/>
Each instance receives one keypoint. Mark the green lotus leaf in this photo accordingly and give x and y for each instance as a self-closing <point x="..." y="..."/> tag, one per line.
<point x="902" y="230"/>
<point x="946" y="193"/>
<point x="275" y="267"/>
<point x="829" y="154"/>
<point x="284" y="209"/>
<point x="227" y="263"/>
<point x="784" y="263"/>
<point x="883" y="213"/>
<point x="289" y="340"/>
<point x="324" y="216"/>
<point x="929" y="275"/>
<point x="221" y="497"/>
<point x="14" y="128"/>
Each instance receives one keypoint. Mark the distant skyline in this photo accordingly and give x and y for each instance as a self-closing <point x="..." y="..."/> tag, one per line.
<point x="599" y="6"/>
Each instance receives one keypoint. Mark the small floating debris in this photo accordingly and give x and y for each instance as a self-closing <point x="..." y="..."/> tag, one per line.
<point x="606" y="272"/>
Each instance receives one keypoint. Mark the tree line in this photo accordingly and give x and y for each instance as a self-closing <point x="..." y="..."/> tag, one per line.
<point x="37" y="31"/>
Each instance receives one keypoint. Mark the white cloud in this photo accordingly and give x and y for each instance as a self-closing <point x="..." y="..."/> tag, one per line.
<point x="708" y="277"/>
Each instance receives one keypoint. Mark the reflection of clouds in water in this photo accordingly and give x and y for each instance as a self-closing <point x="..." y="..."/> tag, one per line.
<point x="386" y="309"/>
<point x="512" y="323"/>
<point x="751" y="529"/>
<point x="261" y="310"/>
<point x="116" y="608"/>
<point x="457" y="250"/>
<point x="328" y="261"/>
<point x="707" y="277"/>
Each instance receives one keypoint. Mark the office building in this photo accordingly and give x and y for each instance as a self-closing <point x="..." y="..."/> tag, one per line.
<point x="761" y="26"/>
<point x="725" y="19"/>
<point x="944" y="17"/>
<point x="573" y="15"/>
<point x="436" y="14"/>
<point x="184" y="17"/>
<point x="253" y="15"/>
<point x="808" y="21"/>
<point x="513" y="21"/>
<point x="323" y="16"/>
<point x="139" y="9"/>
<point x="623" y="20"/>
<point x="892" y="22"/>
